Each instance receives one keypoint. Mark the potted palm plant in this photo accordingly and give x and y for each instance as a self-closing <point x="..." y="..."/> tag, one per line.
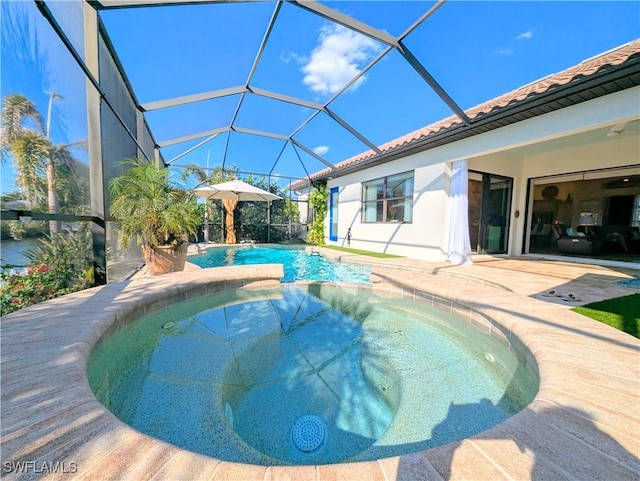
<point x="156" y="213"/>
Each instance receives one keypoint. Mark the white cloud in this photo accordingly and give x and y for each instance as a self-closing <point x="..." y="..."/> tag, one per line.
<point x="505" y="51"/>
<point x="340" y="56"/>
<point x="321" y="149"/>
<point x="528" y="34"/>
<point x="287" y="56"/>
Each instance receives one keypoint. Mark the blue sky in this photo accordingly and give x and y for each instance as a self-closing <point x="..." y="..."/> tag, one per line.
<point x="475" y="50"/>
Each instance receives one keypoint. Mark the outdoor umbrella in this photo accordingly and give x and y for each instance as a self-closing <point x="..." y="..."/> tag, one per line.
<point x="231" y="193"/>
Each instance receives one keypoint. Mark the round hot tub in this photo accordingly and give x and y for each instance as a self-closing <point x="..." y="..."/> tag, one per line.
<point x="310" y="374"/>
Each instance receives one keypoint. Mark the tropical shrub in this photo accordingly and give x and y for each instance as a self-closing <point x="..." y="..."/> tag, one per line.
<point x="69" y="253"/>
<point x="16" y="229"/>
<point x="150" y="208"/>
<point x="38" y="284"/>
<point x="251" y="221"/>
<point x="61" y="264"/>
<point x="318" y="198"/>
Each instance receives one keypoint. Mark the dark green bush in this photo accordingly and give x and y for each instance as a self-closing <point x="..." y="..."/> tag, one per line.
<point x="61" y="264"/>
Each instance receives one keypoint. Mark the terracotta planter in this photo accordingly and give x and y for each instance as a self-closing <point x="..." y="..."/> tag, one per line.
<point x="165" y="259"/>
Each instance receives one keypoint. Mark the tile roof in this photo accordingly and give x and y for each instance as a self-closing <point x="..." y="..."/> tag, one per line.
<point x="614" y="57"/>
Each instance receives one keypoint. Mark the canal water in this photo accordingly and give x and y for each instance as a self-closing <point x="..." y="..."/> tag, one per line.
<point x="12" y="251"/>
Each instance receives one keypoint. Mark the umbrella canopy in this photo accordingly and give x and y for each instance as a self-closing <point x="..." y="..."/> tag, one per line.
<point x="231" y="193"/>
<point x="205" y="191"/>
<point x="235" y="190"/>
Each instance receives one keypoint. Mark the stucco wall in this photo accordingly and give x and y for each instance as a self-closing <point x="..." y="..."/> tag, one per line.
<point x="422" y="238"/>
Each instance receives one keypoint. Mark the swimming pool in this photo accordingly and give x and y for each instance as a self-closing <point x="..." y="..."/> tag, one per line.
<point x="299" y="264"/>
<point x="307" y="374"/>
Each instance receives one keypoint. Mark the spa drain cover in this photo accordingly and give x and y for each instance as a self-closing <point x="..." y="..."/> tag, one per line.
<point x="309" y="433"/>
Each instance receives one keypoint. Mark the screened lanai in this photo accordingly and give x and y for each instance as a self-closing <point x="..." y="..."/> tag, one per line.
<point x="274" y="91"/>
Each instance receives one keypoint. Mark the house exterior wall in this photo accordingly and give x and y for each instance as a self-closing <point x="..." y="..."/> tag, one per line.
<point x="420" y="237"/>
<point x="426" y="237"/>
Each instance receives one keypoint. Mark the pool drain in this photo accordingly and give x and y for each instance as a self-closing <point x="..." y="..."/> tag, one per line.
<point x="309" y="433"/>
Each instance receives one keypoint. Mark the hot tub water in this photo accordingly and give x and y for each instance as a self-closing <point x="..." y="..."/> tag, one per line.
<point x="307" y="374"/>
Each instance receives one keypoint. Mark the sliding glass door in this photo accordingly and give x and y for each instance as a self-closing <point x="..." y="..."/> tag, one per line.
<point x="489" y="206"/>
<point x="591" y="214"/>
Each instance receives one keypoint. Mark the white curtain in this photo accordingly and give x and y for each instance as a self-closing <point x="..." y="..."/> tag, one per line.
<point x="459" y="248"/>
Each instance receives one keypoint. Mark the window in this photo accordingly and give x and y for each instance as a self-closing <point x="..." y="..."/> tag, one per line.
<point x="389" y="199"/>
<point x="333" y="214"/>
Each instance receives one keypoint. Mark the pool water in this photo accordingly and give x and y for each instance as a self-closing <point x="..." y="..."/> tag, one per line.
<point x="307" y="374"/>
<point x="299" y="264"/>
<point x="633" y="283"/>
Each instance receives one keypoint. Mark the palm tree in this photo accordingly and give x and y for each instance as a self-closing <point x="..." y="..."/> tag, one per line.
<point x="35" y="157"/>
<point x="155" y="212"/>
<point x="52" y="198"/>
<point x="30" y="151"/>
<point x="16" y="110"/>
<point x="27" y="146"/>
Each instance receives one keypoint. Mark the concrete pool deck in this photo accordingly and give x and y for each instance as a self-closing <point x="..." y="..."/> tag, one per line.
<point x="583" y="424"/>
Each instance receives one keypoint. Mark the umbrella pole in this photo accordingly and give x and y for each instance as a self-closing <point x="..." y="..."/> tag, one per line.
<point x="269" y="222"/>
<point x="206" y="220"/>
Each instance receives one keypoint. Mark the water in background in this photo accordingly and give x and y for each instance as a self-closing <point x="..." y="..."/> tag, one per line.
<point x="11" y="251"/>
<point x="299" y="265"/>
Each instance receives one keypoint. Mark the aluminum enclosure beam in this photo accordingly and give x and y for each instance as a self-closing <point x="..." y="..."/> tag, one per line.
<point x="117" y="4"/>
<point x="187" y="99"/>
<point x="420" y="20"/>
<point x="418" y="67"/>
<point x="313" y="154"/>
<point x="353" y="131"/>
<point x="285" y="98"/>
<point x="346" y="21"/>
<point x="293" y="146"/>
<point x="187" y="138"/>
<point x="278" y="158"/>
<point x="169" y="162"/>
<point x="263" y="43"/>
<point x="260" y="133"/>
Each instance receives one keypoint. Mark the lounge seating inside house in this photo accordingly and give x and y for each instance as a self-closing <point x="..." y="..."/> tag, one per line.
<point x="620" y="238"/>
<point x="579" y="243"/>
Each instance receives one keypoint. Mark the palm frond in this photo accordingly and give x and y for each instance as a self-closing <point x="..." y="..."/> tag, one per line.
<point x="30" y="151"/>
<point x="16" y="110"/>
<point x="149" y="207"/>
